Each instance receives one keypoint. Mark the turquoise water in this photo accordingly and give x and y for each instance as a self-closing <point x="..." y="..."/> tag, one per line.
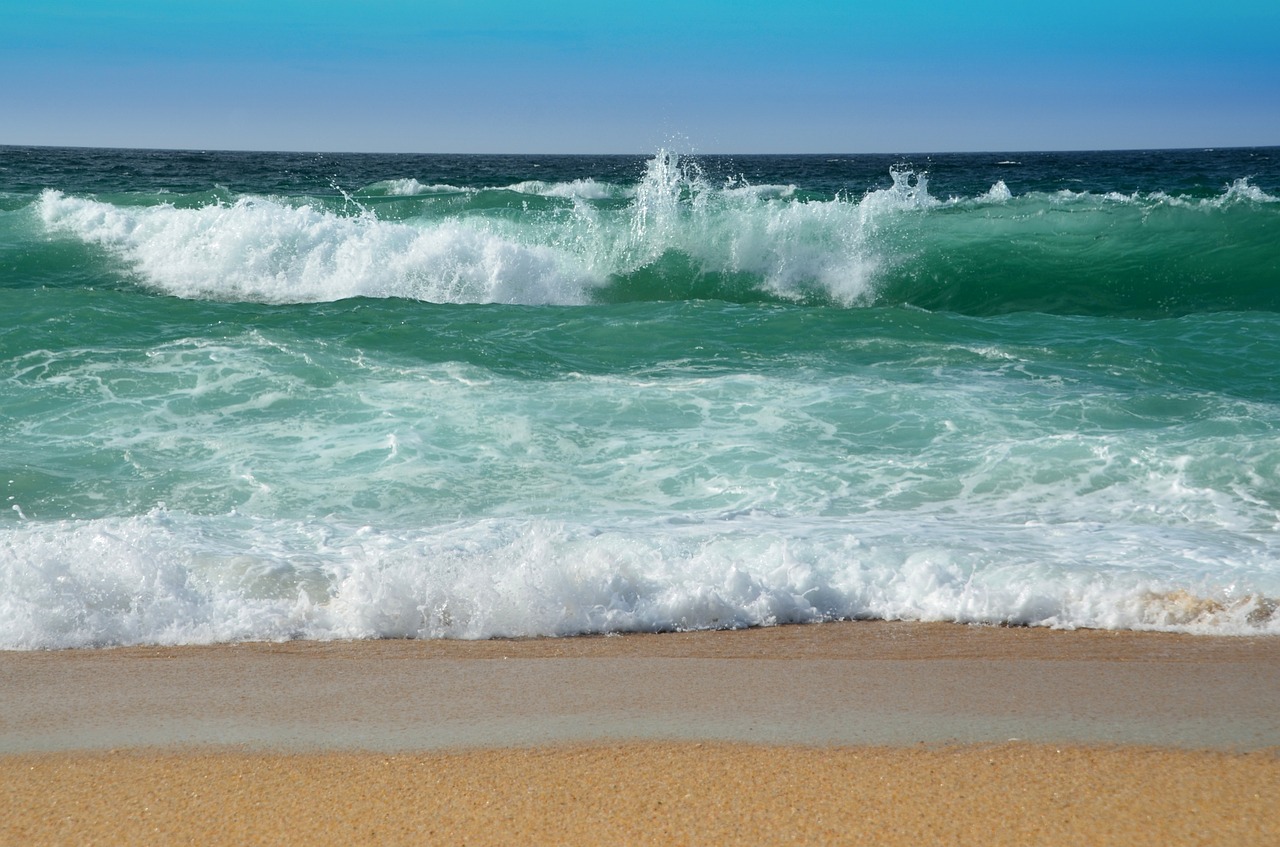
<point x="266" y="396"/>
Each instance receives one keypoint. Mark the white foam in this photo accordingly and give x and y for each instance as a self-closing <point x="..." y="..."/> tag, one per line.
<point x="910" y="191"/>
<point x="763" y="192"/>
<point x="413" y="188"/>
<point x="795" y="248"/>
<point x="276" y="251"/>
<point x="271" y="250"/>
<point x="620" y="503"/>
<point x="165" y="578"/>
<point x="266" y="250"/>
<point x="1240" y="190"/>
<point x="998" y="193"/>
<point x="583" y="189"/>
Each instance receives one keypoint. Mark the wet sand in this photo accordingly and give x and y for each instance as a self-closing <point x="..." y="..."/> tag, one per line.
<point x="893" y="733"/>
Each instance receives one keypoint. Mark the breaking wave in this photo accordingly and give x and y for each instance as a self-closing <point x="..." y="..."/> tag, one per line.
<point x="674" y="235"/>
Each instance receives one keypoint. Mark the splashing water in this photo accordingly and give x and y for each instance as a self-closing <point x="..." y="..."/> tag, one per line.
<point x="468" y="397"/>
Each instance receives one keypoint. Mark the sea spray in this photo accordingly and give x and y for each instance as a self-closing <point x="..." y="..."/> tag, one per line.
<point x="272" y="396"/>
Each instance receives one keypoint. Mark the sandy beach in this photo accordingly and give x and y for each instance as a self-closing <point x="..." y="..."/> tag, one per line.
<point x="841" y="733"/>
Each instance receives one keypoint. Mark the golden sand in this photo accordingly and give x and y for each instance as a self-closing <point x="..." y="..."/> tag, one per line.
<point x="857" y="733"/>
<point x="647" y="794"/>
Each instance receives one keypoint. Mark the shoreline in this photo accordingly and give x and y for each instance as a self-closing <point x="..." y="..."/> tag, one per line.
<point x="888" y="733"/>
<point x="849" y="683"/>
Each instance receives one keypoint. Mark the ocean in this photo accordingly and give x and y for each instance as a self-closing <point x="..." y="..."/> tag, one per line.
<point x="268" y="396"/>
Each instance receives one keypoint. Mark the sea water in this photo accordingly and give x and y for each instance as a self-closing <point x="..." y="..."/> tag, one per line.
<point x="278" y="396"/>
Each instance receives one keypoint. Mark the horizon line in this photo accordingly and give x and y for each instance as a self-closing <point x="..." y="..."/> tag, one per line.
<point x="689" y="152"/>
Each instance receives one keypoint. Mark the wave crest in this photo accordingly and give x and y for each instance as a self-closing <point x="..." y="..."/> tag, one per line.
<point x="675" y="235"/>
<point x="266" y="250"/>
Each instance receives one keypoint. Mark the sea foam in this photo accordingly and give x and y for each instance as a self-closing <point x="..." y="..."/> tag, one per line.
<point x="585" y="241"/>
<point x="270" y="251"/>
<point x="279" y="251"/>
<point x="165" y="578"/>
<point x="450" y="501"/>
<point x="1058" y="410"/>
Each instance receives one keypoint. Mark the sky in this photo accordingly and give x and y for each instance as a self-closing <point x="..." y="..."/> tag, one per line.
<point x="572" y="76"/>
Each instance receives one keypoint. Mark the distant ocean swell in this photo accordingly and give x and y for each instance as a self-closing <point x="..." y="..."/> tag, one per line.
<point x="439" y="403"/>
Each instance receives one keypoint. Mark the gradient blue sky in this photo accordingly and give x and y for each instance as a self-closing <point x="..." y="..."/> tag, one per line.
<point x="576" y="76"/>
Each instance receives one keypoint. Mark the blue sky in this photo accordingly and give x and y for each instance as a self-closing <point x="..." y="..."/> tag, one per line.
<point x="575" y="76"/>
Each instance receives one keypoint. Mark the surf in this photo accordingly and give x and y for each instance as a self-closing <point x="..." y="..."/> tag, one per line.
<point x="265" y="396"/>
<point x="676" y="235"/>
